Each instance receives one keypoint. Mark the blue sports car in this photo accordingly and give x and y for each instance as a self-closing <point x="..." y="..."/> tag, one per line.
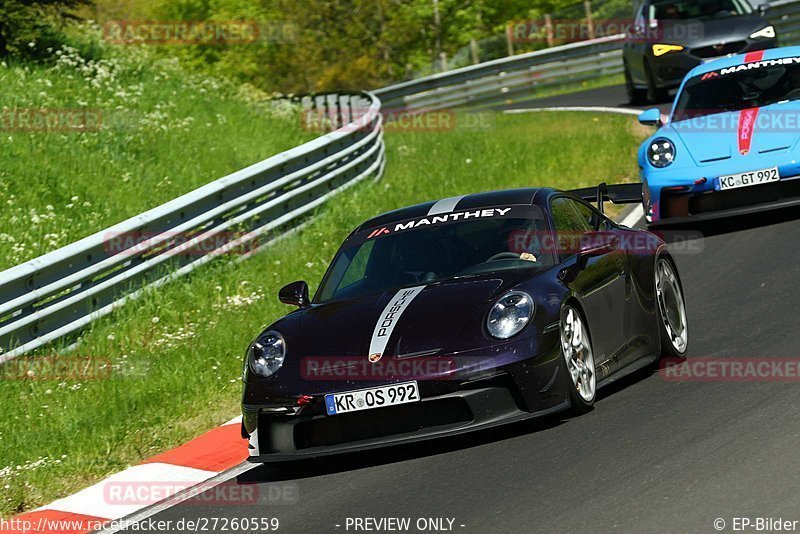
<point x="730" y="144"/>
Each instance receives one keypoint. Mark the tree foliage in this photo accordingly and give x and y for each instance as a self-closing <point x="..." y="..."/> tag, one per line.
<point x="320" y="45"/>
<point x="33" y="28"/>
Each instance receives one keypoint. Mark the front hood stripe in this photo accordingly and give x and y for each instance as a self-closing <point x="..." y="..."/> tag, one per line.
<point x="446" y="205"/>
<point x="747" y="128"/>
<point x="388" y="320"/>
<point x="750" y="57"/>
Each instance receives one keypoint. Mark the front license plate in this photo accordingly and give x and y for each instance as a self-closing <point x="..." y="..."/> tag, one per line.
<point x="747" y="179"/>
<point x="366" y="399"/>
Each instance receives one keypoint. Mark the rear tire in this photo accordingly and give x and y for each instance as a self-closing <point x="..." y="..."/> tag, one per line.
<point x="655" y="94"/>
<point x="577" y="360"/>
<point x="635" y="96"/>
<point x="672" y="318"/>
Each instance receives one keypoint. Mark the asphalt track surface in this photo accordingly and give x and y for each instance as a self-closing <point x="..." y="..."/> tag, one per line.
<point x="653" y="456"/>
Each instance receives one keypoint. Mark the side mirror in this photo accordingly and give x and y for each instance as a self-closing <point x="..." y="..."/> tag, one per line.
<point x="651" y="117"/>
<point x="295" y="294"/>
<point x="598" y="244"/>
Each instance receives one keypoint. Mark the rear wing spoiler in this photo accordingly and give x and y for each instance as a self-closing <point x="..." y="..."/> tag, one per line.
<point x="618" y="194"/>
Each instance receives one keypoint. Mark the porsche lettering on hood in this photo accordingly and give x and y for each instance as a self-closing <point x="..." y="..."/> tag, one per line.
<point x="747" y="132"/>
<point x="388" y="319"/>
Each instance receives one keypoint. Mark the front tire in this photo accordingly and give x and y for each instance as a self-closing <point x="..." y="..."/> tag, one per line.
<point x="655" y="94"/>
<point x="578" y="360"/>
<point x="635" y="96"/>
<point x="672" y="318"/>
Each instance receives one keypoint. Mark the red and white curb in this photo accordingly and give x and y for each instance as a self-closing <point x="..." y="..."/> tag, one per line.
<point x="160" y="478"/>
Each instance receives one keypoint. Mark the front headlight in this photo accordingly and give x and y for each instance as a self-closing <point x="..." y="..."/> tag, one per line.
<point x="509" y="314"/>
<point x="661" y="152"/>
<point x="766" y="33"/>
<point x="266" y="354"/>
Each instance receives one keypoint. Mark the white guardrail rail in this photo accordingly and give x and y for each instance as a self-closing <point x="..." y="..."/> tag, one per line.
<point x="58" y="294"/>
<point x="502" y="80"/>
<point x="784" y="16"/>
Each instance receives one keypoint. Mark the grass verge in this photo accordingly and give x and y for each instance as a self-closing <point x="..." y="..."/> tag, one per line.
<point x="88" y="143"/>
<point x="175" y="355"/>
<point x="556" y="90"/>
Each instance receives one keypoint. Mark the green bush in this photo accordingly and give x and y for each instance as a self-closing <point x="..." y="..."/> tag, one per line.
<point x="33" y="29"/>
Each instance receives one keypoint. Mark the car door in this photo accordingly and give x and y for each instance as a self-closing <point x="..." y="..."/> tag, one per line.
<point x="600" y="284"/>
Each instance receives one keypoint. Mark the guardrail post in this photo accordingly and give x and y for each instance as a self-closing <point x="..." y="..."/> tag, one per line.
<point x="587" y="8"/>
<point x="510" y="39"/>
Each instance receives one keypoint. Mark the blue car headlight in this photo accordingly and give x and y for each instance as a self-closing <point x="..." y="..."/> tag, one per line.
<point x="265" y="356"/>
<point x="661" y="152"/>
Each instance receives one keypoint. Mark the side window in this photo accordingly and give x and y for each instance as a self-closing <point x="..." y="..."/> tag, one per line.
<point x="638" y="21"/>
<point x="591" y="217"/>
<point x="358" y="267"/>
<point x="571" y="220"/>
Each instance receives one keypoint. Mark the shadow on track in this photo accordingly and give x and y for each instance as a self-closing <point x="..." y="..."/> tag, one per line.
<point x="312" y="467"/>
<point x="728" y="225"/>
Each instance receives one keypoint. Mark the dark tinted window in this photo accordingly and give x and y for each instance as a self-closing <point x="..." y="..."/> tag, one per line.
<point x="716" y="92"/>
<point x="571" y="220"/>
<point x="432" y="253"/>
<point x="697" y="9"/>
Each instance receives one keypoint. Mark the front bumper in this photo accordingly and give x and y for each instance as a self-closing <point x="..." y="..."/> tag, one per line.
<point x="680" y="207"/>
<point x="523" y="390"/>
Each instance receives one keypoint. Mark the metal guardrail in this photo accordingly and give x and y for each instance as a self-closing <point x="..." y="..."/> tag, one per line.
<point x="498" y="80"/>
<point x="58" y="294"/>
<point x="502" y="79"/>
<point x="785" y="16"/>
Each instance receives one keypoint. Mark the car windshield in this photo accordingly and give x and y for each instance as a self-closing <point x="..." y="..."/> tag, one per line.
<point x="698" y="9"/>
<point x="738" y="88"/>
<point x="381" y="259"/>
